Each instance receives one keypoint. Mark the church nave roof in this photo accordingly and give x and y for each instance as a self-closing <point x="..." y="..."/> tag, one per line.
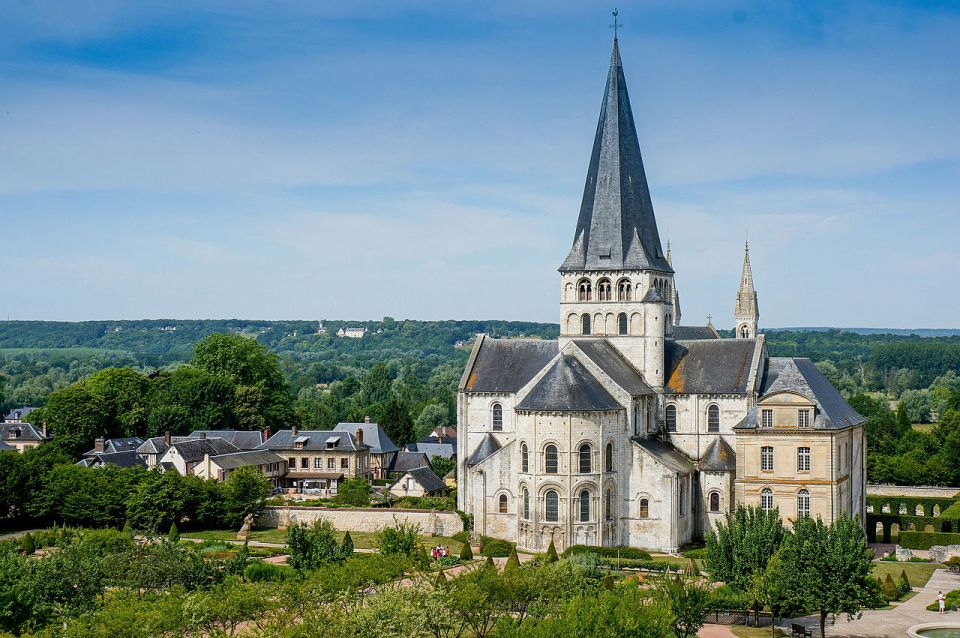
<point x="709" y="366"/>
<point x="568" y="387"/>
<point x="506" y="365"/>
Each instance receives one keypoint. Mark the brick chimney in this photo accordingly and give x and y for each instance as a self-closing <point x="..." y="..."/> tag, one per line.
<point x="293" y="430"/>
<point x="266" y="433"/>
<point x="360" y="436"/>
<point x="366" y="419"/>
<point x="167" y="438"/>
<point x="203" y="435"/>
<point x="100" y="444"/>
<point x="439" y="437"/>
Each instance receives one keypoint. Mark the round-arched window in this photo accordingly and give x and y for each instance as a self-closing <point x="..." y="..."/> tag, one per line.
<point x="497" y="417"/>
<point x="584" y="506"/>
<point x="608" y="460"/>
<point x="526" y="504"/>
<point x="713" y="418"/>
<point x="671" y="418"/>
<point x="585" y="461"/>
<point x="585" y="324"/>
<point x="584" y="290"/>
<point x="604" y="290"/>
<point x="624" y="290"/>
<point x="608" y="505"/>
<point x="524" y="458"/>
<point x="622" y="324"/>
<point x="644" y="508"/>
<point x="803" y="504"/>
<point x="766" y="499"/>
<point x="550" y="462"/>
<point x="502" y="504"/>
<point x="714" y="501"/>
<point x="551" y="503"/>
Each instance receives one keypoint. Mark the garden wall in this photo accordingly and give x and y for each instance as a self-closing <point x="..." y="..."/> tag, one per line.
<point x="364" y="519"/>
<point x="927" y="540"/>
<point x="943" y="553"/>
<point x="918" y="491"/>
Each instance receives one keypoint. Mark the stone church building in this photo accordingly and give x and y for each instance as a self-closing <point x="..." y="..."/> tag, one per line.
<point x="632" y="429"/>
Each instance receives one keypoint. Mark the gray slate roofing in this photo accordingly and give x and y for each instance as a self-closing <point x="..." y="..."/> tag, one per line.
<point x="373" y="435"/>
<point x="652" y="296"/>
<point x="666" y="454"/>
<point x="609" y="359"/>
<point x="427" y="479"/>
<point x="158" y="444"/>
<point x="617" y="229"/>
<point x="488" y="445"/>
<point x="709" y="366"/>
<point x="19" y="432"/>
<point x="18" y="414"/>
<point x="243" y="439"/>
<point x="689" y="333"/>
<point x="506" y="365"/>
<point x="6" y="448"/>
<point x="447" y="449"/>
<point x="568" y="387"/>
<point x="127" y="458"/>
<point x="315" y="440"/>
<point x="248" y="457"/>
<point x="784" y="374"/>
<point x="403" y="461"/>
<point x="719" y="457"/>
<point x="193" y="450"/>
<point x="127" y="444"/>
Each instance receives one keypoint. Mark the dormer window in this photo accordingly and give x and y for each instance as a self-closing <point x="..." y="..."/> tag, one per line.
<point x="766" y="418"/>
<point x="14" y="433"/>
<point x="803" y="418"/>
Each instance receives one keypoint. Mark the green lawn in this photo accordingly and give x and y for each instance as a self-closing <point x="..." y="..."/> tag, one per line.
<point x="361" y="540"/>
<point x="917" y="573"/>
<point x="753" y="632"/>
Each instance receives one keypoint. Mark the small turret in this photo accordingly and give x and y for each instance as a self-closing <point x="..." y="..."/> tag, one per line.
<point x="675" y="300"/>
<point x="747" y="312"/>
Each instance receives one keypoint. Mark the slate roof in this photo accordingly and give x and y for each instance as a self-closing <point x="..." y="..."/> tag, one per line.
<point x="127" y="458"/>
<point x="127" y="444"/>
<point x="488" y="445"/>
<point x="18" y="414"/>
<point x="404" y="461"/>
<point x="652" y="296"/>
<point x="158" y="444"/>
<point x="193" y="450"/>
<point x="666" y="454"/>
<point x="609" y="359"/>
<point x="315" y="440"/>
<point x="616" y="229"/>
<point x="432" y="448"/>
<point x="429" y="481"/>
<point x="690" y="333"/>
<point x="6" y="448"/>
<point x="568" y="387"/>
<point x="709" y="366"/>
<point x="20" y="432"/>
<point x="506" y="365"/>
<point x="784" y="374"/>
<point x="719" y="457"/>
<point x="243" y="439"/>
<point x="248" y="457"/>
<point x="373" y="435"/>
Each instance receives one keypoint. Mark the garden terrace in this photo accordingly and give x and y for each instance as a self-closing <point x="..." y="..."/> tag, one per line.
<point x="918" y="514"/>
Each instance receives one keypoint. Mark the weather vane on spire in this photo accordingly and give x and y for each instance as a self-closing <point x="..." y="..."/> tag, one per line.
<point x="616" y="25"/>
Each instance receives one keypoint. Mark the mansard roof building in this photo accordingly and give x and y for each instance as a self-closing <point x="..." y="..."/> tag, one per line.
<point x="631" y="429"/>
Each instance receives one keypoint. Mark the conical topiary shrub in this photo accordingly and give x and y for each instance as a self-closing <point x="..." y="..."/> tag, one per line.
<point x="552" y="553"/>
<point x="513" y="561"/>
<point x="466" y="553"/>
<point x="127" y="528"/>
<point x="441" y="580"/>
<point x="174" y="534"/>
<point x="890" y="588"/>
<point x="490" y="562"/>
<point x="903" y="585"/>
<point x="347" y="545"/>
<point x="27" y="544"/>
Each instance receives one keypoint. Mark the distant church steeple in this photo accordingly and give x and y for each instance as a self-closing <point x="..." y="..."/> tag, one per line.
<point x="747" y="312"/>
<point x="675" y="301"/>
<point x="617" y="229"/>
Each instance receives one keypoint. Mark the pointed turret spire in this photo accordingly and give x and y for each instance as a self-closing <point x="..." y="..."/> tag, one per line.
<point x="747" y="311"/>
<point x="617" y="229"/>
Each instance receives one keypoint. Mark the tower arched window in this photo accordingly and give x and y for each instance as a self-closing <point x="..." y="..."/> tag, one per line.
<point x="585" y="290"/>
<point x="497" y="417"/>
<point x="622" y="323"/>
<point x="744" y="332"/>
<point x="624" y="290"/>
<point x="608" y="458"/>
<point x="644" y="508"/>
<point x="585" y="324"/>
<point x="713" y="418"/>
<point x="604" y="290"/>
<point x="526" y="504"/>
<point x="714" y="501"/>
<point x="550" y="459"/>
<point x="551" y="506"/>
<point x="584" y="454"/>
<point x="524" y="458"/>
<point x="584" y="506"/>
<point x="671" y="418"/>
<point x="502" y="504"/>
<point x="766" y="499"/>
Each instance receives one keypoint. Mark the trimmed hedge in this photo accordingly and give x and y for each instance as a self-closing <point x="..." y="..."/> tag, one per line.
<point x="495" y="547"/>
<point x="925" y="540"/>
<point x="649" y="565"/>
<point x="608" y="552"/>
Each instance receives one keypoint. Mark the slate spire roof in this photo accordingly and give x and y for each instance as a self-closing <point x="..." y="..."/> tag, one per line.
<point x="616" y="229"/>
<point x="747" y="295"/>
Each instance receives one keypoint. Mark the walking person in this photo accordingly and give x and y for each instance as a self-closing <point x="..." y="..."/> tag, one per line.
<point x="941" y="601"/>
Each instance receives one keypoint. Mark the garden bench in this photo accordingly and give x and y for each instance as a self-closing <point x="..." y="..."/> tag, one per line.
<point x="799" y="631"/>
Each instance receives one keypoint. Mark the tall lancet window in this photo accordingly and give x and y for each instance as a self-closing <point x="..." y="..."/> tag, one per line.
<point x="585" y="324"/>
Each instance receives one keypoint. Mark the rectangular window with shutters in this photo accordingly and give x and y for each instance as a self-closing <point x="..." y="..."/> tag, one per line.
<point x="766" y="459"/>
<point x="803" y="418"/>
<point x="344" y="463"/>
<point x="803" y="459"/>
<point x="766" y="418"/>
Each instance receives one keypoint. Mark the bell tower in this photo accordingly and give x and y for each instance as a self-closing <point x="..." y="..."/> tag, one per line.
<point x="747" y="312"/>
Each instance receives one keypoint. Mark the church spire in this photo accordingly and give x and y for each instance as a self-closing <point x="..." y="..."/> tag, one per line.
<point x="617" y="229"/>
<point x="747" y="312"/>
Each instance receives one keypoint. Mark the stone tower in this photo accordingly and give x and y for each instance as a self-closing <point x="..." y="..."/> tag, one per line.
<point x="747" y="313"/>
<point x="616" y="282"/>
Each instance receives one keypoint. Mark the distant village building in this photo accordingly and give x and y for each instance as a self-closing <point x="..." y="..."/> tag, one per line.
<point x="322" y="329"/>
<point x="20" y="435"/>
<point x="220" y="466"/>
<point x="352" y="332"/>
<point x="420" y="481"/>
<point x="121" y="452"/>
<point x="318" y="460"/>
<point x="382" y="449"/>
<point x="183" y="456"/>
<point x="17" y="415"/>
<point x="631" y="429"/>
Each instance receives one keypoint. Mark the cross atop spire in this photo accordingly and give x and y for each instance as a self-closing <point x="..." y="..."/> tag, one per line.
<point x="616" y="25"/>
<point x="747" y="311"/>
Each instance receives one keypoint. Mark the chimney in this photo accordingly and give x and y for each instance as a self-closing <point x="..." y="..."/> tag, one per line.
<point x="100" y="444"/>
<point x="360" y="435"/>
<point x="293" y="431"/>
<point x="266" y="433"/>
<point x="366" y="419"/>
<point x="203" y="435"/>
<point x="167" y="438"/>
<point x="43" y="430"/>
<point x="439" y="437"/>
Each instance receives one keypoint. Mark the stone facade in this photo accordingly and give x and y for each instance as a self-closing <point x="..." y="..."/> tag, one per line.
<point x="365" y="519"/>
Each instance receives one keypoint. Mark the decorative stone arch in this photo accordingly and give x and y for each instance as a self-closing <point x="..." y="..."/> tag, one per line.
<point x="598" y="326"/>
<point x="644" y="502"/>
<point x="501" y="500"/>
<point x="569" y="292"/>
<point x="573" y="323"/>
<point x="714" y="501"/>
<point x="604" y="289"/>
<point x="918" y="511"/>
<point x="636" y="324"/>
<point x="610" y="322"/>
<point x="624" y="290"/>
<point x="584" y="290"/>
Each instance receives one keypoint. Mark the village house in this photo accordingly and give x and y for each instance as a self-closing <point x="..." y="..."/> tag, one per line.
<point x="20" y="435"/>
<point x="183" y="456"/>
<point x="120" y="451"/>
<point x="219" y="467"/>
<point x="420" y="481"/>
<point x="382" y="449"/>
<point x="318" y="460"/>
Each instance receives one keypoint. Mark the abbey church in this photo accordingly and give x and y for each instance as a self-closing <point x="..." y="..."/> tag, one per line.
<point x="633" y="429"/>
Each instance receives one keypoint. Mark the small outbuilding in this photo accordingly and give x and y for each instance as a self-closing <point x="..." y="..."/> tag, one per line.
<point x="419" y="481"/>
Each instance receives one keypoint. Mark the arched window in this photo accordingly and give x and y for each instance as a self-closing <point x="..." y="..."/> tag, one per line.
<point x="766" y="499"/>
<point x="551" y="502"/>
<point x="585" y="324"/>
<point x="622" y="323"/>
<point x="713" y="418"/>
<point x="550" y="459"/>
<point x="585" y="290"/>
<point x="584" y="506"/>
<point x="604" y="290"/>
<point x="608" y="460"/>
<point x="803" y="504"/>
<point x="644" y="508"/>
<point x="714" y="501"/>
<point x="502" y="505"/>
<point x="671" y="417"/>
<point x="744" y="332"/>
<point x="524" y="458"/>
<point x="584" y="453"/>
<point x="497" y="417"/>
<point x="608" y="505"/>
<point x="526" y="504"/>
<point x="624" y="290"/>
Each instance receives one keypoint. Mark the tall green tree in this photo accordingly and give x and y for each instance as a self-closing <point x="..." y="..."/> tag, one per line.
<point x="123" y="392"/>
<point x="396" y="421"/>
<point x="245" y="494"/>
<point x="75" y="416"/>
<point x="742" y="544"/>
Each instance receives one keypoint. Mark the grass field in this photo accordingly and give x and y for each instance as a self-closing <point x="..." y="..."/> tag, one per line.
<point x="917" y="573"/>
<point x="753" y="632"/>
<point x="361" y="540"/>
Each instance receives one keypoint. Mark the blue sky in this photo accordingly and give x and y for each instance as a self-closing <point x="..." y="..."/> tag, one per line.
<point x="426" y="159"/>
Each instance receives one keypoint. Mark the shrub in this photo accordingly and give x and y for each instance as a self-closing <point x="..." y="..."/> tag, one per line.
<point x="489" y="562"/>
<point x="106" y="541"/>
<point x="441" y="580"/>
<point x="400" y="540"/>
<point x="448" y="561"/>
<point x="463" y="537"/>
<point x="925" y="540"/>
<point x="27" y="546"/>
<point x="260" y="572"/>
<point x="903" y="585"/>
<point x="347" y="546"/>
<point x="608" y="552"/>
<point x="952" y="602"/>
<point x="552" y="553"/>
<point x="727" y="597"/>
<point x="890" y="588"/>
<point x="496" y="547"/>
<point x="354" y="491"/>
<point x="466" y="554"/>
<point x="313" y="546"/>
<point x="174" y="534"/>
<point x="513" y="561"/>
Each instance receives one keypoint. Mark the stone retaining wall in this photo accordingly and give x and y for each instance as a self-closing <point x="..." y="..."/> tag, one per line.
<point x="943" y="553"/>
<point x="905" y="490"/>
<point x="365" y="519"/>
